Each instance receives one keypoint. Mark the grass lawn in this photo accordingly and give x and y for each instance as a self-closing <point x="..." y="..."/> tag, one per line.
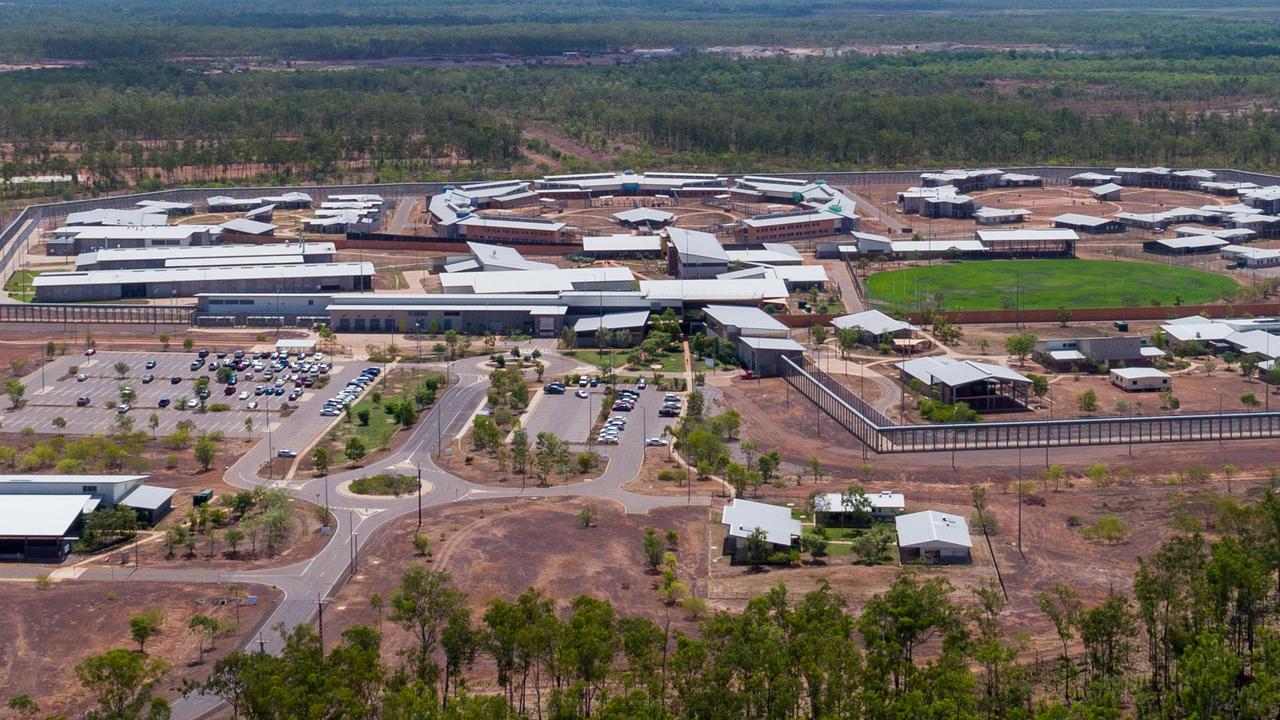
<point x="382" y="425"/>
<point x="1043" y="284"/>
<point x="617" y="359"/>
<point x="19" y="286"/>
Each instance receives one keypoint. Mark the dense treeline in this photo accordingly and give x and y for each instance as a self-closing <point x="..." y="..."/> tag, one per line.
<point x="1198" y="638"/>
<point x="330" y="29"/>
<point x="707" y="112"/>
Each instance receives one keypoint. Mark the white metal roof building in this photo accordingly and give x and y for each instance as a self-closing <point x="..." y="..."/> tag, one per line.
<point x="1087" y="223"/>
<point x="746" y="516"/>
<point x="1252" y="256"/>
<point x="1184" y="245"/>
<point x="156" y="257"/>
<point x="1109" y="191"/>
<point x="697" y="254"/>
<point x="794" y="276"/>
<point x="110" y="489"/>
<point x="165" y="206"/>
<point x="41" y="527"/>
<point x="650" y="217"/>
<point x="981" y="385"/>
<point x="988" y="236"/>
<point x="1139" y="379"/>
<point x="80" y="286"/>
<point x="75" y="239"/>
<point x="632" y="320"/>
<point x="882" y="504"/>
<point x="763" y="355"/>
<point x="245" y="226"/>
<point x="932" y="536"/>
<point x="732" y="321"/>
<point x="767" y="254"/>
<point x="997" y="216"/>
<point x="554" y="280"/>
<point x="109" y="216"/>
<point x="621" y="245"/>
<point x="874" y="323"/>
<point x="1092" y="178"/>
<point x="496" y="258"/>
<point x="671" y="293"/>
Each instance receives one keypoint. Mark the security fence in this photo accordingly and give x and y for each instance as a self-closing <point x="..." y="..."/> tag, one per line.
<point x="881" y="435"/>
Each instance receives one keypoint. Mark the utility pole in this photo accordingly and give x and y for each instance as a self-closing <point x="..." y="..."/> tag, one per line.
<point x="419" y="497"/>
<point x="355" y="552"/>
<point x="320" y="603"/>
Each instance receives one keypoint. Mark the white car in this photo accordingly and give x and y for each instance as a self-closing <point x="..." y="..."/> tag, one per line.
<point x="607" y="440"/>
<point x="581" y="393"/>
<point x="655" y="442"/>
<point x="640" y="384"/>
<point x="244" y="395"/>
<point x="193" y="403"/>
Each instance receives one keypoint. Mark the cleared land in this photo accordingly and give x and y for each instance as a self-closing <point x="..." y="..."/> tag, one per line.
<point x="47" y="632"/>
<point x="1042" y="284"/>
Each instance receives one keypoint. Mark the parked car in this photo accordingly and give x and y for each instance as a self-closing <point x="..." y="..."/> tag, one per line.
<point x="655" y="442"/>
<point x="148" y="379"/>
<point x="90" y="351"/>
<point x="253" y="405"/>
<point x="82" y="401"/>
<point x="640" y="384"/>
<point x="582" y="393"/>
<point x="196" y="364"/>
<point x="175" y="380"/>
<point x="286" y="453"/>
<point x="151" y="364"/>
<point x="122" y="408"/>
<point x="203" y="353"/>
<point x="244" y="395"/>
<point x="229" y="390"/>
<point x="163" y="402"/>
<point x="81" y="377"/>
<point x="582" y="381"/>
<point x="554" y="389"/>
<point x="192" y="403"/>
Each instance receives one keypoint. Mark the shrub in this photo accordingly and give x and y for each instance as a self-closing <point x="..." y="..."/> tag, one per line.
<point x="219" y="407"/>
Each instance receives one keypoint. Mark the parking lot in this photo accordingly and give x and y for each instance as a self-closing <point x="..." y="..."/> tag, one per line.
<point x="60" y="390"/>
<point x="570" y="418"/>
<point x="567" y="416"/>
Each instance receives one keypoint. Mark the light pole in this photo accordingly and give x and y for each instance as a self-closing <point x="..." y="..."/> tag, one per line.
<point x="320" y="603"/>
<point x="419" y="497"/>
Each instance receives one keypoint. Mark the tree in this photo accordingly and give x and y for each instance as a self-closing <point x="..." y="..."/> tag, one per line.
<point x="23" y="705"/>
<point x="1020" y="345"/>
<point x="188" y="343"/>
<point x="15" y="390"/>
<point x="1250" y="400"/>
<point x="121" y="683"/>
<point x="205" y="627"/>
<point x="143" y="626"/>
<point x="320" y="460"/>
<point x="1064" y="316"/>
<point x="587" y="515"/>
<point x="422" y="603"/>
<point x="1210" y="365"/>
<point x="164" y="342"/>
<point x="205" y="450"/>
<point x="1248" y="366"/>
<point x="1039" y="385"/>
<point x="421" y="544"/>
<point x="819" y="334"/>
<point x="59" y="422"/>
<point x="757" y="548"/>
<point x="814" y="543"/>
<point x="1087" y="401"/>
<point x="355" y="449"/>
<point x="121" y="368"/>
<point x="815" y="468"/>
<point x="768" y="463"/>
<point x="234" y="536"/>
<point x="652" y="547"/>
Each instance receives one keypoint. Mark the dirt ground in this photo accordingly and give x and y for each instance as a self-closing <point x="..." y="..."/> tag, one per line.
<point x="658" y="459"/>
<point x="45" y="633"/>
<point x="1044" y="204"/>
<point x="798" y="432"/>
<point x="495" y="549"/>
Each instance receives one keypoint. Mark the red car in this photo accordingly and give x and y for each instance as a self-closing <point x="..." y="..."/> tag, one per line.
<point x="90" y="351"/>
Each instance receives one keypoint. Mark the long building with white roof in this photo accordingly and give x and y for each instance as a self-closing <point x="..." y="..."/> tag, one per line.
<point x="76" y="239"/>
<point x="170" y="282"/>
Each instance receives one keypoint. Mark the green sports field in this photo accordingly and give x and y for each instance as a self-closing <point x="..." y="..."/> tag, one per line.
<point x="1038" y="284"/>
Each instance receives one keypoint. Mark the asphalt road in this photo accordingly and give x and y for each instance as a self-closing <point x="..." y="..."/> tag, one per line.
<point x="304" y="583"/>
